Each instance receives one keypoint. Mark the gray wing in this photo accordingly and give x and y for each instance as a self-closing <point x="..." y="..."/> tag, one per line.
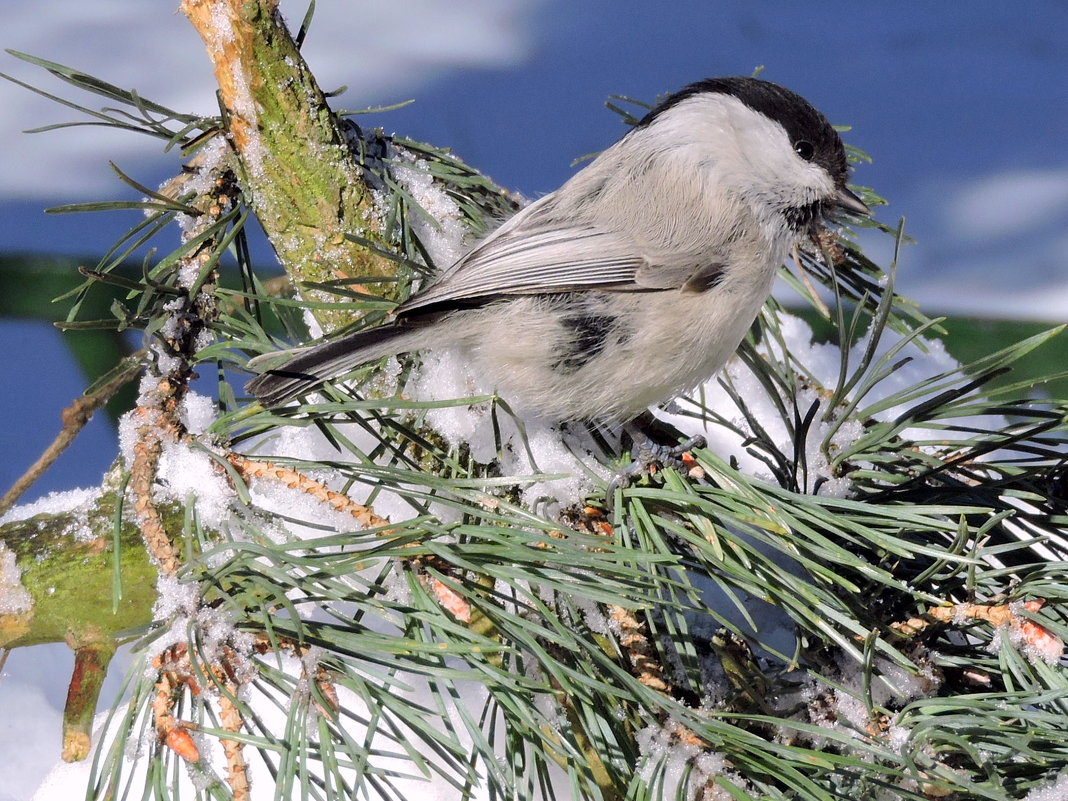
<point x="521" y="261"/>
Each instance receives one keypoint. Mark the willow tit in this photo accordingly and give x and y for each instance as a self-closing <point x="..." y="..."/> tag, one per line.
<point x="635" y="280"/>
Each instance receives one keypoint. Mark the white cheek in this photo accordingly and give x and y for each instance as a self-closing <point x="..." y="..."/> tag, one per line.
<point x="747" y="154"/>
<point x="779" y="174"/>
<point x="818" y="181"/>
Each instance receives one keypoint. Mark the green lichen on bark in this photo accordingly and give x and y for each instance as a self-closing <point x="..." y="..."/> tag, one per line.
<point x="294" y="162"/>
<point x="67" y="565"/>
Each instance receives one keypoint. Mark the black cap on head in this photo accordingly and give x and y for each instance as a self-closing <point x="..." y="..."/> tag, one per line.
<point x="810" y="133"/>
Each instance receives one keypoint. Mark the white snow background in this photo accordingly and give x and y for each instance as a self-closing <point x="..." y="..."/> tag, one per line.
<point x="963" y="115"/>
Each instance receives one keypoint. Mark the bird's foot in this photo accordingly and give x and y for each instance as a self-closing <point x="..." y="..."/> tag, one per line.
<point x="649" y="454"/>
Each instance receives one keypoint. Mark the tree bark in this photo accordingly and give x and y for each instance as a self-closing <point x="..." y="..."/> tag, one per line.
<point x="295" y="164"/>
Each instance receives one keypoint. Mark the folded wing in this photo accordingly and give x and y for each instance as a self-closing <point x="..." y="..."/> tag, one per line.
<point x="520" y="261"/>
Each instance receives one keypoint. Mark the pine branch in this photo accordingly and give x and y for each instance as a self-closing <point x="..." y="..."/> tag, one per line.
<point x="867" y="564"/>
<point x="74" y="419"/>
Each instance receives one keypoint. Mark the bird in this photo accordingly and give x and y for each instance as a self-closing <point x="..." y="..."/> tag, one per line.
<point x="637" y="279"/>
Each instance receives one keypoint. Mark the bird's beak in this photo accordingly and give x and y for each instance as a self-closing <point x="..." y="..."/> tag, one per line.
<point x="850" y="202"/>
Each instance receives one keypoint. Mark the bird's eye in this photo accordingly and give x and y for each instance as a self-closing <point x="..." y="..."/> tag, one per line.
<point x="805" y="149"/>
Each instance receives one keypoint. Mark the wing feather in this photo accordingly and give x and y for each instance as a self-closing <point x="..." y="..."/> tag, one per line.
<point x="522" y="258"/>
<point x="536" y="262"/>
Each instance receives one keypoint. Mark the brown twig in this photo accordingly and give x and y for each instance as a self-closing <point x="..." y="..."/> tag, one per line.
<point x="90" y="666"/>
<point x="294" y="479"/>
<point x="1030" y="634"/>
<point x="158" y="415"/>
<point x="147" y="452"/>
<point x="639" y="650"/>
<point x="175" y="673"/>
<point x="232" y="721"/>
<point x="74" y="419"/>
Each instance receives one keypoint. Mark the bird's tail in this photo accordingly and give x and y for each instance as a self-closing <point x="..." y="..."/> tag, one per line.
<point x="310" y="367"/>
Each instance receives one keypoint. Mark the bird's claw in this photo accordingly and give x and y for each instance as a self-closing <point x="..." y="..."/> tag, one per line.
<point x="647" y="453"/>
